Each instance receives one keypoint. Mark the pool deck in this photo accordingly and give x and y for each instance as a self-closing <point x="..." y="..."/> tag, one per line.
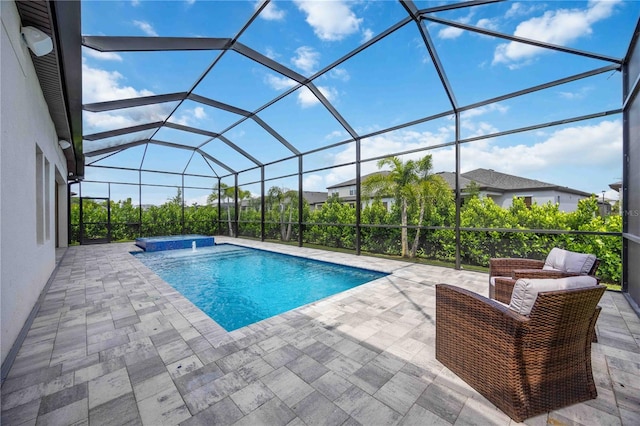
<point x="114" y="344"/>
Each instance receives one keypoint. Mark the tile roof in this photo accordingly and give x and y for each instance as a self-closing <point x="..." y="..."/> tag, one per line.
<point x="487" y="179"/>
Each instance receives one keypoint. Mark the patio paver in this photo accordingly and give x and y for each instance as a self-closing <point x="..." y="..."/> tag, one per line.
<point x="112" y="344"/>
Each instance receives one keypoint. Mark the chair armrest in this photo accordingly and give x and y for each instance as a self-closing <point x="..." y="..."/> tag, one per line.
<point x="502" y="267"/>
<point x="466" y="321"/>
<point x="540" y="273"/>
<point x="503" y="289"/>
<point x="478" y="339"/>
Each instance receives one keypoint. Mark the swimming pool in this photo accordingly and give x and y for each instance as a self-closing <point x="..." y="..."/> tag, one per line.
<point x="237" y="286"/>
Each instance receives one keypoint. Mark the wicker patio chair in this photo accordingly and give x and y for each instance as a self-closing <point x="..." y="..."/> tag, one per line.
<point x="525" y="365"/>
<point x="504" y="272"/>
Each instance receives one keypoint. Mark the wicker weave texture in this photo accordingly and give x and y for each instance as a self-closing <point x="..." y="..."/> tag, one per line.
<point x="523" y="365"/>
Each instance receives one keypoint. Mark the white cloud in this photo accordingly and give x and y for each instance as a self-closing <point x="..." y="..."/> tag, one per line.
<point x="135" y="3"/>
<point x="307" y="99"/>
<point x="314" y="183"/>
<point x="576" y="95"/>
<point x="485" y="109"/>
<point x="592" y="146"/>
<point x="99" y="85"/>
<point x="330" y="20"/>
<point x="555" y="158"/>
<point x="270" y="12"/>
<point x="199" y="113"/>
<point x="450" y="32"/>
<point x="189" y="116"/>
<point x="367" y="34"/>
<point x="102" y="56"/>
<point x="489" y="24"/>
<point x="454" y="32"/>
<point x="340" y="74"/>
<point x="306" y="59"/>
<point x="190" y="2"/>
<point x="336" y="134"/>
<point x="146" y="28"/>
<point x="562" y="27"/>
<point x="279" y="83"/>
<point x="270" y="53"/>
<point x="520" y="9"/>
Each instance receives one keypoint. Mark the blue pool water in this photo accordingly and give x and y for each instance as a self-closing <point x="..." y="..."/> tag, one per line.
<point x="237" y="286"/>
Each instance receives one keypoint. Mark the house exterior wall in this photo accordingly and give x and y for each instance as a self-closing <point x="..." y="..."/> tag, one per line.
<point x="343" y="191"/>
<point x="32" y="169"/>
<point x="567" y="202"/>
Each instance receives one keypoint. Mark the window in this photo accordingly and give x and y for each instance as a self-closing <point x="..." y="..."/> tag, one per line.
<point x="352" y="191"/>
<point x="527" y="201"/>
<point x="47" y="200"/>
<point x="39" y="196"/>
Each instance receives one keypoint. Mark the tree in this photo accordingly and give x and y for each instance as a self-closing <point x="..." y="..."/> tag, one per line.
<point x="432" y="192"/>
<point x="227" y="194"/>
<point x="284" y="202"/>
<point x="177" y="199"/>
<point x="405" y="182"/>
<point x="472" y="189"/>
<point x="242" y="195"/>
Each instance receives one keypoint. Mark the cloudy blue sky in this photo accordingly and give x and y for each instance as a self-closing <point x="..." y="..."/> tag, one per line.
<point x="390" y="83"/>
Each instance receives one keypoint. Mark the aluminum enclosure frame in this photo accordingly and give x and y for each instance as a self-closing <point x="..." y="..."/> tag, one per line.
<point x="415" y="16"/>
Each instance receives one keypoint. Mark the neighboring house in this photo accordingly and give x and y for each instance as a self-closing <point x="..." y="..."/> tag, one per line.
<point x="502" y="187"/>
<point x="617" y="186"/>
<point x="315" y="199"/>
<point x="346" y="191"/>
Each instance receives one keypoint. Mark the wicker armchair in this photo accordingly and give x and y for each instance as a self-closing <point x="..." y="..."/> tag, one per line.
<point x="503" y="274"/>
<point x="525" y="365"/>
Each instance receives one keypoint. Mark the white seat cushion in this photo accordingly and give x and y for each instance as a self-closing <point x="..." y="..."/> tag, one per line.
<point x="569" y="261"/>
<point x="526" y="290"/>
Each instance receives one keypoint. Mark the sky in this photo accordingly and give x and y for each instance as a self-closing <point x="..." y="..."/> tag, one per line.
<point x="391" y="82"/>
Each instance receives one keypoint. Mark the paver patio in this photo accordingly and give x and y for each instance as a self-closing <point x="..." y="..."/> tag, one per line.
<point x="114" y="344"/>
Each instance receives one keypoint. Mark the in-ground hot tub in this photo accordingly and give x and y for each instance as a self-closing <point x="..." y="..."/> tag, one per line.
<point x="174" y="242"/>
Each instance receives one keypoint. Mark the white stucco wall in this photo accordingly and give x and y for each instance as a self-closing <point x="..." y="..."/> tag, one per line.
<point x="343" y="191"/>
<point x="25" y="263"/>
<point x="568" y="202"/>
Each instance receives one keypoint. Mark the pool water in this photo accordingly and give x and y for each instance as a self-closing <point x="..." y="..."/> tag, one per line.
<point x="237" y="286"/>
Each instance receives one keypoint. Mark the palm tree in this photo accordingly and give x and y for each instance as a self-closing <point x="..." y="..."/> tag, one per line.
<point x="242" y="195"/>
<point x="405" y="182"/>
<point x="284" y="200"/>
<point x="432" y="192"/>
<point x="227" y="193"/>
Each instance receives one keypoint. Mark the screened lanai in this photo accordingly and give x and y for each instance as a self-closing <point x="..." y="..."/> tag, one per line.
<point x="417" y="139"/>
<point x="242" y="111"/>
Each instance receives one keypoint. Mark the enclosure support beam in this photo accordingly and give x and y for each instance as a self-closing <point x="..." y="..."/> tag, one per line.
<point x="140" y="203"/>
<point x="300" y="200"/>
<point x="219" y="206"/>
<point x="234" y="226"/>
<point x="182" y="203"/>
<point x="458" y="192"/>
<point x="262" y="203"/>
<point x="358" y="196"/>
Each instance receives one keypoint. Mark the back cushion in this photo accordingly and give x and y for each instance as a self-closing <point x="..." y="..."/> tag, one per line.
<point x="526" y="290"/>
<point x="568" y="261"/>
